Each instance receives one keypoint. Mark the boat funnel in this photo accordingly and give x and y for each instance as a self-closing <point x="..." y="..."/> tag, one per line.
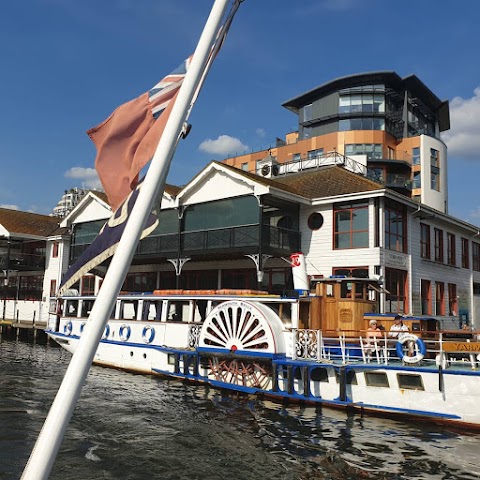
<point x="299" y="273"/>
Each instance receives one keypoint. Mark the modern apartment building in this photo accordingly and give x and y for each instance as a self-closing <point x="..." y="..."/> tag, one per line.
<point x="378" y="123"/>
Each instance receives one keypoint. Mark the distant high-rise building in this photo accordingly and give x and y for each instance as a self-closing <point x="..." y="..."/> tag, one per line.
<point x="68" y="202"/>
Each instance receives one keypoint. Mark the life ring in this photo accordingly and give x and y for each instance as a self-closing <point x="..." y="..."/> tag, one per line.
<point x="125" y="332"/>
<point x="148" y="334"/>
<point x="420" y="349"/>
<point x="106" y="333"/>
<point x="67" y="328"/>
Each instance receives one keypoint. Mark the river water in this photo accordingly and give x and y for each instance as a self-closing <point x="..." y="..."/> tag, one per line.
<point x="139" y="427"/>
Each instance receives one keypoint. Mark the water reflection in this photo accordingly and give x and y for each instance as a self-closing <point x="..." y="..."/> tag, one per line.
<point x="139" y="427"/>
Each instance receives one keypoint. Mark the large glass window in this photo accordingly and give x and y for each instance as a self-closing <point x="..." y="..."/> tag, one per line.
<point x="361" y="124"/>
<point x="351" y="225"/>
<point x="224" y="213"/>
<point x="85" y="233"/>
<point x="395" y="285"/>
<point x="371" y="150"/>
<point x="395" y="227"/>
<point x="424" y="240"/>
<point x="366" y="102"/>
<point x="435" y="169"/>
<point x="140" y="282"/>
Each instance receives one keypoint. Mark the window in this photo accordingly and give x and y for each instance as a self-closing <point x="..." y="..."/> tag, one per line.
<point x="376" y="173"/>
<point x="451" y="251"/>
<point x="452" y="299"/>
<point x="53" y="288"/>
<point x="88" y="285"/>
<point x="371" y="150"/>
<point x="55" y="250"/>
<point x="374" y="379"/>
<point x="425" y="240"/>
<point x="312" y="154"/>
<point x="476" y="256"/>
<point x="361" y="124"/>
<point x="351" y="225"/>
<point x="395" y="285"/>
<point x="355" y="272"/>
<point x="417" y="180"/>
<point x="366" y="102"/>
<point x="140" y="282"/>
<point x="435" y="169"/>
<point x="245" y="167"/>
<point x="439" y="298"/>
<point x="425" y="297"/>
<point x="438" y="245"/>
<point x="395" y="227"/>
<point x="296" y="157"/>
<point x="315" y="221"/>
<point x="416" y="156"/>
<point x="465" y="254"/>
<point x="410" y="382"/>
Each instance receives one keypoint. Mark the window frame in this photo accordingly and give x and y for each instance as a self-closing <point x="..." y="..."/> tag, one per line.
<point x="465" y="253"/>
<point x="425" y="241"/>
<point x="350" y="208"/>
<point x="438" y="245"/>
<point x="451" y="250"/>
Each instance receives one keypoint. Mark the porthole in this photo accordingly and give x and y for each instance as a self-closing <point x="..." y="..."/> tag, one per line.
<point x="315" y="221"/>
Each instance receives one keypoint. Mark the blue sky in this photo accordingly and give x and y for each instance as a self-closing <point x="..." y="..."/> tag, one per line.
<point x="67" y="64"/>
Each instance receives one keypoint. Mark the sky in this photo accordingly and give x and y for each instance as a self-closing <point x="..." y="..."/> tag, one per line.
<point x="65" y="65"/>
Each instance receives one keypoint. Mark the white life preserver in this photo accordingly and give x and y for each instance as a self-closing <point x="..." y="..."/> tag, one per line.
<point x="148" y="334"/>
<point x="125" y="332"/>
<point x="420" y="348"/>
<point x="67" y="328"/>
<point x="106" y="333"/>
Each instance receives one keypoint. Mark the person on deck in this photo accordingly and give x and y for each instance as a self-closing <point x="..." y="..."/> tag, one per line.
<point x="396" y="329"/>
<point x="373" y="330"/>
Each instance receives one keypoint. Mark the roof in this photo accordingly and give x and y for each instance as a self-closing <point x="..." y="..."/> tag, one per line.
<point x="411" y="83"/>
<point x="172" y="189"/>
<point x="19" y="223"/>
<point x="328" y="181"/>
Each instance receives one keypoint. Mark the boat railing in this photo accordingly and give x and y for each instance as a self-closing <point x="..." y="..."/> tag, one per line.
<point x="430" y="349"/>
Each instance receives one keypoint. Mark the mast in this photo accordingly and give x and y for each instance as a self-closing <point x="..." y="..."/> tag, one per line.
<point x="50" y="438"/>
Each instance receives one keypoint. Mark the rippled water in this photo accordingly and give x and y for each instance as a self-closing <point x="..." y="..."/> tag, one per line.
<point x="134" y="427"/>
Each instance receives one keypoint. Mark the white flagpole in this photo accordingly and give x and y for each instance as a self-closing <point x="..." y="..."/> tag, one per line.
<point x="50" y="438"/>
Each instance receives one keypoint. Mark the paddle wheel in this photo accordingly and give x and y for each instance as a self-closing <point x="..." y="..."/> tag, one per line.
<point x="239" y="339"/>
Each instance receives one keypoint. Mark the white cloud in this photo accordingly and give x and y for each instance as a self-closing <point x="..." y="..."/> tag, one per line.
<point x="463" y="138"/>
<point x="87" y="176"/>
<point x="10" y="207"/>
<point x="223" y="145"/>
<point x="261" y="132"/>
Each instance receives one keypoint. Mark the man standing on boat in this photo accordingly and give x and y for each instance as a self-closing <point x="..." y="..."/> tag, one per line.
<point x="396" y="329"/>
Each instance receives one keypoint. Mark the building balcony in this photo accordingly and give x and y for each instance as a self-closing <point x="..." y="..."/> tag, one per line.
<point x="22" y="261"/>
<point x="221" y="241"/>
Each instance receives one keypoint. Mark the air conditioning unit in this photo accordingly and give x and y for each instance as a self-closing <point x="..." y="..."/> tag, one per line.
<point x="267" y="167"/>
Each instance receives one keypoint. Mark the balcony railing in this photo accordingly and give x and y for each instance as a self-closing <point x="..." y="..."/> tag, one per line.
<point x="22" y="261"/>
<point x="218" y="240"/>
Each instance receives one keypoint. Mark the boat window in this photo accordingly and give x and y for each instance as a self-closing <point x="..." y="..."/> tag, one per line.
<point x="319" y="375"/>
<point x="346" y="289"/>
<point x="199" y="310"/>
<point x="410" y="382"/>
<point x="128" y="309"/>
<point x="297" y="375"/>
<point x="71" y="308"/>
<point x="179" y="311"/>
<point x="152" y="310"/>
<point x="86" y="307"/>
<point x="376" y="379"/>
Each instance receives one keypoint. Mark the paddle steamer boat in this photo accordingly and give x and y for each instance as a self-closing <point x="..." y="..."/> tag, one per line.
<point x="313" y="348"/>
